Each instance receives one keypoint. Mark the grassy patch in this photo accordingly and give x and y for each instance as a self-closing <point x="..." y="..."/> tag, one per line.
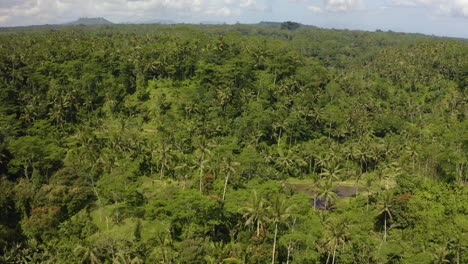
<point x="105" y="220"/>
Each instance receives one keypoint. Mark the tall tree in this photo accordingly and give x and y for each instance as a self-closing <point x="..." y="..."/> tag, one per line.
<point x="335" y="235"/>
<point x="278" y="211"/>
<point x="228" y="166"/>
<point x="255" y="212"/>
<point x="384" y="206"/>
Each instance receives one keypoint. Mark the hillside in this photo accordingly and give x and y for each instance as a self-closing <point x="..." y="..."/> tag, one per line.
<point x="232" y="144"/>
<point x="89" y="21"/>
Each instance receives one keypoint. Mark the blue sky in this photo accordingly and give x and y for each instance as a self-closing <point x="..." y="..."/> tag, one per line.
<point x="438" y="17"/>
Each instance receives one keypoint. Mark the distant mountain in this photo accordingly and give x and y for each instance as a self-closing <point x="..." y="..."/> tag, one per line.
<point x="89" y="21"/>
<point x="207" y="22"/>
<point x="160" y="21"/>
<point x="272" y="23"/>
<point x="152" y="21"/>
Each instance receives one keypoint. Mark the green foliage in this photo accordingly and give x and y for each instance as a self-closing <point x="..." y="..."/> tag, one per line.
<point x="78" y="227"/>
<point x="231" y="144"/>
<point x="43" y="222"/>
<point x="290" y="25"/>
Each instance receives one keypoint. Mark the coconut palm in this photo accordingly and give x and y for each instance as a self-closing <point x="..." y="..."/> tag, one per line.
<point x="368" y="181"/>
<point x="326" y="193"/>
<point x="183" y="170"/>
<point x="332" y="173"/>
<point x="278" y="126"/>
<point x="87" y="254"/>
<point x="165" y="156"/>
<point x="440" y="254"/>
<point x="335" y="235"/>
<point x="285" y="163"/>
<point x="385" y="209"/>
<point x="228" y="166"/>
<point x="203" y="154"/>
<point x="255" y="212"/>
<point x="278" y="211"/>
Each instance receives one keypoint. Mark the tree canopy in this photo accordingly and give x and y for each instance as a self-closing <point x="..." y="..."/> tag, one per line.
<point x="232" y="144"/>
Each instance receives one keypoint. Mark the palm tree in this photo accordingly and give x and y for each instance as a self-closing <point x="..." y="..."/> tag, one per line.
<point x="165" y="245"/>
<point x="165" y="155"/>
<point x="201" y="165"/>
<point x="122" y="258"/>
<point x="56" y="114"/>
<point x="280" y="127"/>
<point x="412" y="152"/>
<point x="387" y="172"/>
<point x="223" y="96"/>
<point x="348" y="153"/>
<point x="254" y="137"/>
<point x="335" y="235"/>
<point x="228" y="166"/>
<point x="291" y="241"/>
<point x="315" y="188"/>
<point x="87" y="254"/>
<point x="29" y="114"/>
<point x="285" y="163"/>
<point x="203" y="153"/>
<point x="331" y="173"/>
<point x="440" y="254"/>
<point x="385" y="210"/>
<point x="361" y="155"/>
<point x="460" y="245"/>
<point x="322" y="161"/>
<point x="254" y="212"/>
<point x="326" y="193"/>
<point x="278" y="212"/>
<point x="184" y="170"/>
<point x="368" y="185"/>
<point x="215" y="251"/>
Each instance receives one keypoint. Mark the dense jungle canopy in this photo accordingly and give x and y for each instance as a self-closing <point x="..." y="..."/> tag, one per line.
<point x="232" y="144"/>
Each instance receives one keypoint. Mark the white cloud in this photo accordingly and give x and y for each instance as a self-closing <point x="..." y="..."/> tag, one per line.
<point x="223" y="11"/>
<point x="444" y="7"/>
<point x="315" y="9"/>
<point x="343" y="5"/>
<point x="27" y="12"/>
<point x="248" y="3"/>
<point x="3" y="19"/>
<point x="335" y="5"/>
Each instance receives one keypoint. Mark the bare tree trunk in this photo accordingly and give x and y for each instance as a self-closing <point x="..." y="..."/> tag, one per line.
<point x="289" y="253"/>
<point x="334" y="252"/>
<point x="347" y="166"/>
<point x="258" y="228"/>
<point x="274" y="244"/>
<point x="225" y="185"/>
<point x="279" y="138"/>
<point x="201" y="175"/>
<point x="315" y="202"/>
<point x="26" y="172"/>
<point x="367" y="206"/>
<point x="385" y="228"/>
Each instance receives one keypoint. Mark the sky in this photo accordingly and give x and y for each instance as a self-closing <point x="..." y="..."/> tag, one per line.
<point x="433" y="17"/>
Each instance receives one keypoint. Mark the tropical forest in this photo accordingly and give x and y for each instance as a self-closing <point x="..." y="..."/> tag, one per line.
<point x="262" y="143"/>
